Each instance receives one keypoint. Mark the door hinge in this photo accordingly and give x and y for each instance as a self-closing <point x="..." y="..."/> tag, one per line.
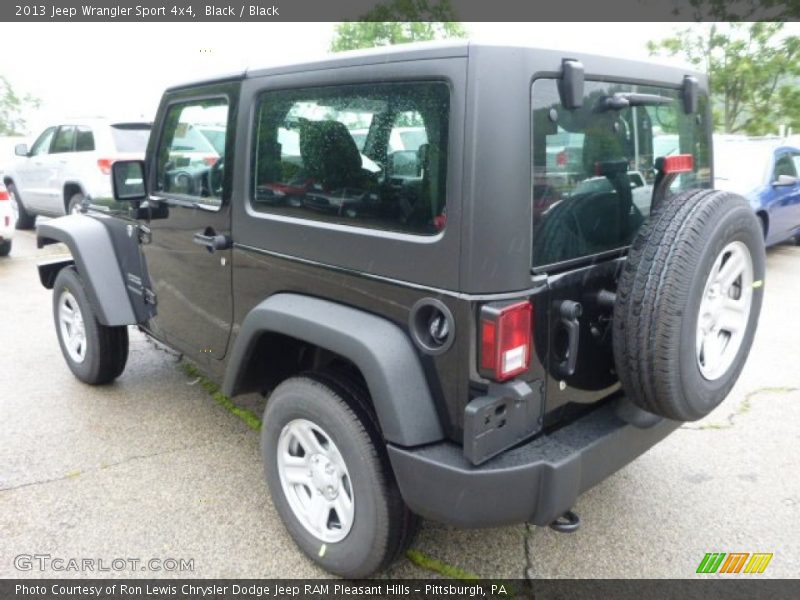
<point x="149" y="296"/>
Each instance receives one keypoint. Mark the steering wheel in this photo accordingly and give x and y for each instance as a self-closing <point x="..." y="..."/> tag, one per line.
<point x="183" y="182"/>
<point x="215" y="175"/>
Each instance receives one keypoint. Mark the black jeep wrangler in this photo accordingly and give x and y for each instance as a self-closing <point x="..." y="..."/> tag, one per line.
<point x="473" y="280"/>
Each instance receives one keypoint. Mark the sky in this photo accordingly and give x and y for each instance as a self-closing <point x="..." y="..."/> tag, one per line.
<point x="119" y="70"/>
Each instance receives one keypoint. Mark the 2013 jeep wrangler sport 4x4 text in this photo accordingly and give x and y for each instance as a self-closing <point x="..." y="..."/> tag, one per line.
<point x="473" y="281"/>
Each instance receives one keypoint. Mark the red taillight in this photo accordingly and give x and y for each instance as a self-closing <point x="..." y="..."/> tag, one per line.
<point x="678" y="163"/>
<point x="4" y="194"/>
<point x="506" y="340"/>
<point x="210" y="160"/>
<point x="105" y="165"/>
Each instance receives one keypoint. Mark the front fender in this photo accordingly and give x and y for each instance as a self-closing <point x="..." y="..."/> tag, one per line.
<point x="380" y="349"/>
<point x="93" y="252"/>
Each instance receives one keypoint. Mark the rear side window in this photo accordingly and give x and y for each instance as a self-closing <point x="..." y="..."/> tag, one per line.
<point x="131" y="137"/>
<point x="187" y="164"/>
<point x="366" y="155"/>
<point x="65" y="140"/>
<point x="84" y="140"/>
<point x="594" y="167"/>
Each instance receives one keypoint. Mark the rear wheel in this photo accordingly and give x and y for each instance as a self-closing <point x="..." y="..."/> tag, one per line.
<point x="95" y="353"/>
<point x="5" y="248"/>
<point x="329" y="476"/>
<point x="24" y="220"/>
<point x="75" y="206"/>
<point x="688" y="303"/>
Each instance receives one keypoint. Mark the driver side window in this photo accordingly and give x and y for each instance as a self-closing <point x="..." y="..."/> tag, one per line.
<point x="191" y="152"/>
<point x="42" y="145"/>
<point x="784" y="165"/>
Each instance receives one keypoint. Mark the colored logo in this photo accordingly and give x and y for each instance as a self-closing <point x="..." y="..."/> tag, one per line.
<point x="734" y="562"/>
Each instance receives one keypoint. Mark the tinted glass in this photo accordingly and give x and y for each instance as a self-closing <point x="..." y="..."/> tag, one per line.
<point x="42" y="144"/>
<point x="84" y="141"/>
<point x="337" y="154"/>
<point x="65" y="140"/>
<point x="785" y="165"/>
<point x="594" y="167"/>
<point x="131" y="138"/>
<point x="188" y="165"/>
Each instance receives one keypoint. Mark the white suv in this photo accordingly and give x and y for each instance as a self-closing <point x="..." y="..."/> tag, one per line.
<point x="69" y="165"/>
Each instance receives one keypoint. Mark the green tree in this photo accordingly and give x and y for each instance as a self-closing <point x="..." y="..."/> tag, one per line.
<point x="11" y="107"/>
<point x="753" y="70"/>
<point x="399" y="22"/>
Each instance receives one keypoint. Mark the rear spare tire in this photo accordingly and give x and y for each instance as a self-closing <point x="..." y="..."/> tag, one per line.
<point x="688" y="302"/>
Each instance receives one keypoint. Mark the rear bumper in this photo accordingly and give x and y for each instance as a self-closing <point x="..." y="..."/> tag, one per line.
<point x="536" y="482"/>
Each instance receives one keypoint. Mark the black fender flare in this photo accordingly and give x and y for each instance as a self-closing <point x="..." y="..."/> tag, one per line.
<point x="96" y="261"/>
<point x="379" y="348"/>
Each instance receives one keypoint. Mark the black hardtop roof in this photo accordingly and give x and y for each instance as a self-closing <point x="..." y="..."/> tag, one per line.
<point x="438" y="50"/>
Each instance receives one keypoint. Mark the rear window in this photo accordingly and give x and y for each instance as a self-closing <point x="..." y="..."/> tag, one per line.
<point x="131" y="137"/>
<point x="372" y="156"/>
<point x="593" y="167"/>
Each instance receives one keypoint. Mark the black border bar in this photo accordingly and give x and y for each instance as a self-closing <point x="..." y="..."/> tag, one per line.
<point x="148" y="11"/>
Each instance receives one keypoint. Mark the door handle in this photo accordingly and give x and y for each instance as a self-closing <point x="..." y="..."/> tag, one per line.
<point x="211" y="240"/>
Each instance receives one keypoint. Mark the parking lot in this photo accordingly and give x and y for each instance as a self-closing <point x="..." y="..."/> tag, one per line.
<point x="153" y="467"/>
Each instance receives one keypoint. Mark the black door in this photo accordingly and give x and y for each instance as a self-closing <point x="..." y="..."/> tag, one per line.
<point x="188" y="251"/>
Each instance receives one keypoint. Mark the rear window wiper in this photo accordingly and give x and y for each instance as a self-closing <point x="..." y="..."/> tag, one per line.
<point x="622" y="100"/>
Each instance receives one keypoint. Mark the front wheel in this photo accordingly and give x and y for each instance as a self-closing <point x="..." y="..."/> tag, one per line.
<point x="94" y="352"/>
<point x="22" y="218"/>
<point x="329" y="476"/>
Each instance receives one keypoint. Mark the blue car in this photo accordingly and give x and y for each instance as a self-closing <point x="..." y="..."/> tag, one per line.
<point x="768" y="175"/>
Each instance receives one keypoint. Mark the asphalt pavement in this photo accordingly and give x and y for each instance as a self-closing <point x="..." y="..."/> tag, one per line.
<point x="152" y="467"/>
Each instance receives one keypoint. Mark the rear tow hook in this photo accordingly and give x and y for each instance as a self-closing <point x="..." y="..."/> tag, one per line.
<point x="569" y="522"/>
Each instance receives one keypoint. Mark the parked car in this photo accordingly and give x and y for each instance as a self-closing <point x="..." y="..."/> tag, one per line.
<point x="69" y="165"/>
<point x="479" y="370"/>
<point x="767" y="173"/>
<point x="8" y="219"/>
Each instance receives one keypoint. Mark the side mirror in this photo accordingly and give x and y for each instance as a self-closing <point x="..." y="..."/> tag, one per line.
<point x="21" y="149"/>
<point x="127" y="177"/>
<point x="785" y="181"/>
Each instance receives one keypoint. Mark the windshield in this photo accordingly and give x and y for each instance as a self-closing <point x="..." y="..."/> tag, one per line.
<point x="215" y="135"/>
<point x="594" y="167"/>
<point x="131" y="137"/>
